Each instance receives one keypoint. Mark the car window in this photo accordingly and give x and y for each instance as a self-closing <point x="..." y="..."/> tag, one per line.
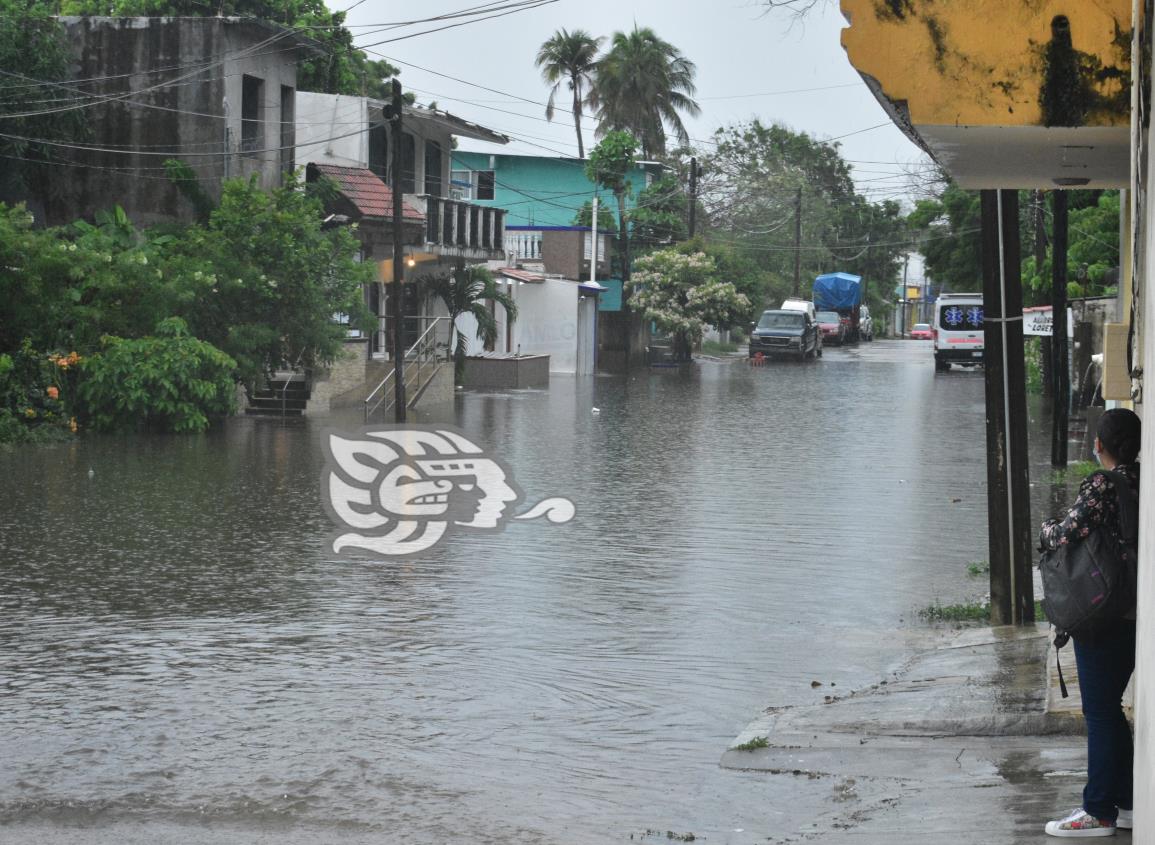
<point x="781" y="320"/>
<point x="922" y="327"/>
<point x="961" y="317"/>
<point x="828" y="317"/>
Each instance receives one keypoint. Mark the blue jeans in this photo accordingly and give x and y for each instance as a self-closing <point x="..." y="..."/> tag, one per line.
<point x="1106" y="661"/>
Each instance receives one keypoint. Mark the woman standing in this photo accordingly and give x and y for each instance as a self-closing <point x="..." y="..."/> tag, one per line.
<point x="1105" y="659"/>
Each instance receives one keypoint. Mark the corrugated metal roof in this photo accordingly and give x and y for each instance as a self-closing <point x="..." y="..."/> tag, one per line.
<point x="371" y="196"/>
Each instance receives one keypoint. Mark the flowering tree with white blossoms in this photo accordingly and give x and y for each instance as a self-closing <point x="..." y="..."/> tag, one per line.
<point x="681" y="293"/>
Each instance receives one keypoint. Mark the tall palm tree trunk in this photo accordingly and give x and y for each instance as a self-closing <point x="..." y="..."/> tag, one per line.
<point x="577" y="117"/>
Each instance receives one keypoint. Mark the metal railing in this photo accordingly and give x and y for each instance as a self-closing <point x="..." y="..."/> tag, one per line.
<point x="420" y="364"/>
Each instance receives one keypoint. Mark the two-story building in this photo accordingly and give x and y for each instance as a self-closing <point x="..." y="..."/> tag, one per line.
<point x="217" y="93"/>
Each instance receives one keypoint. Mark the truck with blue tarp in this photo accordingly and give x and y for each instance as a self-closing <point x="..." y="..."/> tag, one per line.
<point x="841" y="292"/>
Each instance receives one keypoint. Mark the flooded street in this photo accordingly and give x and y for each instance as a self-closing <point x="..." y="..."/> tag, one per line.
<point x="183" y="658"/>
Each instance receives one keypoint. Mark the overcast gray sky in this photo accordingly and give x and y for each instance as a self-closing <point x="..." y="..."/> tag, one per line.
<point x="742" y="56"/>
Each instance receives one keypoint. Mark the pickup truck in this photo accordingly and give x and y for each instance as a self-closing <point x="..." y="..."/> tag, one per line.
<point x="781" y="332"/>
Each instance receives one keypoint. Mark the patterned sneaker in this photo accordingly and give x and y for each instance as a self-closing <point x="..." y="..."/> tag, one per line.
<point x="1079" y="823"/>
<point x="1126" y="820"/>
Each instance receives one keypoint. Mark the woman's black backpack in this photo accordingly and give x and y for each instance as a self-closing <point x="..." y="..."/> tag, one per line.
<point x="1092" y="583"/>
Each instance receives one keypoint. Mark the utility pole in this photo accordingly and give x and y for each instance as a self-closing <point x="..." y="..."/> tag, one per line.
<point x="905" y="267"/>
<point x="1008" y="467"/>
<point x="594" y="242"/>
<point x="693" y="196"/>
<point x="1059" y="366"/>
<point x="798" y="242"/>
<point x="1040" y="259"/>
<point x="393" y="114"/>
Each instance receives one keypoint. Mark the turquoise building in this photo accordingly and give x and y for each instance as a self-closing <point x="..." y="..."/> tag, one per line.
<point x="536" y="191"/>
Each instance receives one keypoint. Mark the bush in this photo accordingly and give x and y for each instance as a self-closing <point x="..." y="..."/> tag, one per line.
<point x="34" y="388"/>
<point x="170" y="382"/>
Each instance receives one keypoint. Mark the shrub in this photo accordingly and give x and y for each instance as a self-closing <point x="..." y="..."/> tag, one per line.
<point x="170" y="382"/>
<point x="34" y="392"/>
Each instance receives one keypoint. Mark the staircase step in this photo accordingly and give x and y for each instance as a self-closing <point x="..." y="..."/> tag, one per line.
<point x="273" y="412"/>
<point x="276" y="403"/>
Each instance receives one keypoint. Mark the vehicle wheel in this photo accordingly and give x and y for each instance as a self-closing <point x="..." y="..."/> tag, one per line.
<point x="940" y="366"/>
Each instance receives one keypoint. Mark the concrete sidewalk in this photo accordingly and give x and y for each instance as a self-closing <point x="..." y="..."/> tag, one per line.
<point x="959" y="745"/>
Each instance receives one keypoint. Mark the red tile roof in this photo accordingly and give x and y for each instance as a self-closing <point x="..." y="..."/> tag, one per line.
<point x="371" y="196"/>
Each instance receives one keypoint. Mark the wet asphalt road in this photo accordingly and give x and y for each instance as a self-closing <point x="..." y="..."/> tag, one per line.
<point x="184" y="659"/>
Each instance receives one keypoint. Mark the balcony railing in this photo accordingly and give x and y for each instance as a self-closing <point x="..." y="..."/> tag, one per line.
<point x="523" y="245"/>
<point x="464" y="225"/>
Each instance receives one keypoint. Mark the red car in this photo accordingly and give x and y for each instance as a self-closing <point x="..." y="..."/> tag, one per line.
<point x="921" y="331"/>
<point x="832" y="327"/>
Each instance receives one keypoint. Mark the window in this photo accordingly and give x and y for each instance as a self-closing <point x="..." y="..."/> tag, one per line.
<point x="252" y="115"/>
<point x="963" y="317"/>
<point x="288" y="129"/>
<point x="408" y="164"/>
<point x="460" y="185"/>
<point x="379" y="150"/>
<point x="485" y="183"/>
<point x="433" y="168"/>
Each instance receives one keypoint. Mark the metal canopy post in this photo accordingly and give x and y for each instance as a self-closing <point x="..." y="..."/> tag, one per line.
<point x="1008" y="469"/>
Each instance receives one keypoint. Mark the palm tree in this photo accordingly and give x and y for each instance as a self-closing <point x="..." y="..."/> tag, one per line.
<point x="569" y="57"/>
<point x="641" y="85"/>
<point x="465" y="291"/>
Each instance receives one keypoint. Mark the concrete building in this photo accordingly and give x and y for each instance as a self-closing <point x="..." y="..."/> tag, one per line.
<point x="537" y="190"/>
<point x="1045" y="95"/>
<point x="216" y="93"/>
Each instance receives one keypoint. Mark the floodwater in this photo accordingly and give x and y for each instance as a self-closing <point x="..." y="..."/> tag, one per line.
<point x="184" y="659"/>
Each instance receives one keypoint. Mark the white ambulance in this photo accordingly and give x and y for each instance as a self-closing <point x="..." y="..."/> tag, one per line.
<point x="958" y="330"/>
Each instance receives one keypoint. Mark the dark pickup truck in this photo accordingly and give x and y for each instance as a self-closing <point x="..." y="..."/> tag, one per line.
<point x="790" y="333"/>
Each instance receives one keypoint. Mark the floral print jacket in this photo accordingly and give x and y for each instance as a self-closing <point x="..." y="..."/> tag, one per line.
<point x="1096" y="505"/>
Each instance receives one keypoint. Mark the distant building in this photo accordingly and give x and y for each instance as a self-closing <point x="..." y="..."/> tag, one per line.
<point x="216" y="93"/>
<point x="536" y="190"/>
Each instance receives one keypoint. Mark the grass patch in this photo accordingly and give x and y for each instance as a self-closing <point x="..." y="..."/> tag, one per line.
<point x="1074" y="472"/>
<point x="713" y="347"/>
<point x="974" y="612"/>
<point x="756" y="742"/>
<point x="978" y="567"/>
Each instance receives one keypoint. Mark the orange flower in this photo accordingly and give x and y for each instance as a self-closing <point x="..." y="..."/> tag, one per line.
<point x="53" y="392"/>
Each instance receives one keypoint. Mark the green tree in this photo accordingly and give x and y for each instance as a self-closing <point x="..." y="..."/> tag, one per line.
<point x="569" y="58"/>
<point x="466" y="291"/>
<point x="682" y="295"/>
<point x="167" y="382"/>
<point x="277" y="278"/>
<point x="609" y="165"/>
<point x="659" y="216"/>
<point x="35" y="60"/>
<point x="585" y="215"/>
<point x="950" y="229"/>
<point x="643" y="85"/>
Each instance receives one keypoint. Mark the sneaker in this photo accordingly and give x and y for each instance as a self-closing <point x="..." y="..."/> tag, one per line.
<point x="1079" y="823"/>
<point x="1126" y="820"/>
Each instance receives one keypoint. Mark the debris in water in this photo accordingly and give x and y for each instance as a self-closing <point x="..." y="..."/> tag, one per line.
<point x="814" y="684"/>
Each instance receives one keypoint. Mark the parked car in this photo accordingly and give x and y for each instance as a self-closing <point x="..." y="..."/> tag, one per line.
<point x="785" y="333"/>
<point x="832" y="326"/>
<point x="958" y="332"/>
<point x="921" y="331"/>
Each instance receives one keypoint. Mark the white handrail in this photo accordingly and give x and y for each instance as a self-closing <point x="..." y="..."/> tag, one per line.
<point x="420" y="352"/>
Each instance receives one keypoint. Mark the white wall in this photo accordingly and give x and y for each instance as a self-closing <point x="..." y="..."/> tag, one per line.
<point x="321" y="118"/>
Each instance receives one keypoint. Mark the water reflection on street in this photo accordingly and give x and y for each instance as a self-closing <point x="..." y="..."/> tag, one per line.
<point x="180" y="651"/>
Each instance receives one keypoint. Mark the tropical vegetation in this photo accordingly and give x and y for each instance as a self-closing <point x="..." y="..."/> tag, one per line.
<point x="569" y="58"/>
<point x="468" y="290"/>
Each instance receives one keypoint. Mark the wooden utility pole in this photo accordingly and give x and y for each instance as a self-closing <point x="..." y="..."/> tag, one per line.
<point x="1008" y="468"/>
<point x="798" y="242"/>
<point x="1059" y="367"/>
<point x="693" y="196"/>
<point x="394" y="116"/>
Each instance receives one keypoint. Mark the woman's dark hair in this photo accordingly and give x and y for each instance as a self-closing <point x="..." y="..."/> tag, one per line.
<point x="1120" y="433"/>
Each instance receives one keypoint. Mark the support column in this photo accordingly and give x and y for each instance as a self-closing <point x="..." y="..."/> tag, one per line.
<point x="1008" y="468"/>
<point x="1059" y="367"/>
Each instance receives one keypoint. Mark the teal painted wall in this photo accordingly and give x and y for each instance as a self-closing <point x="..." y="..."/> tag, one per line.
<point x="542" y="191"/>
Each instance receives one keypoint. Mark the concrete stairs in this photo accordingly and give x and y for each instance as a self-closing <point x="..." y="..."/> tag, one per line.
<point x="287" y="395"/>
